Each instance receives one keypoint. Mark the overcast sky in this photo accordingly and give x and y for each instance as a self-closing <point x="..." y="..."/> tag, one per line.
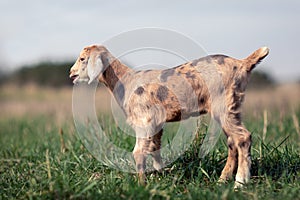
<point x="35" y="30"/>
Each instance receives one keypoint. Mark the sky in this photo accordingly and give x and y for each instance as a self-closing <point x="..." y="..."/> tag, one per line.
<point x="56" y="30"/>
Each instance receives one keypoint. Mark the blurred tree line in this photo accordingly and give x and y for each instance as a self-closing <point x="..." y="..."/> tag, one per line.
<point x="56" y="74"/>
<point x="51" y="74"/>
<point x="260" y="79"/>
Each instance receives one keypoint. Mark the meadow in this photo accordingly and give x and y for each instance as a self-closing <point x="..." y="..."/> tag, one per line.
<point x="41" y="156"/>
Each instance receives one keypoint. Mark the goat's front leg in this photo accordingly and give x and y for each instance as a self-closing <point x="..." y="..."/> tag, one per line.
<point x="143" y="147"/>
<point x="155" y="146"/>
<point x="140" y="156"/>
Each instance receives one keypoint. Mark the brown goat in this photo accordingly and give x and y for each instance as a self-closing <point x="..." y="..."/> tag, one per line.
<point x="213" y="84"/>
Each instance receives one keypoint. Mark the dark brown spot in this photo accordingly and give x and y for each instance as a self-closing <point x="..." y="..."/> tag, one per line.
<point x="219" y="58"/>
<point x="165" y="74"/>
<point x="139" y="91"/>
<point x="234" y="68"/>
<point x="190" y="75"/>
<point x="204" y="59"/>
<point x="162" y="93"/>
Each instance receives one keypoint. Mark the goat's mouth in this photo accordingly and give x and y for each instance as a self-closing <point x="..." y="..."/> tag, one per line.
<point x="75" y="78"/>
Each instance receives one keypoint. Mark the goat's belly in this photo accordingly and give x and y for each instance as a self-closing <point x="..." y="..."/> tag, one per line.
<point x="178" y="113"/>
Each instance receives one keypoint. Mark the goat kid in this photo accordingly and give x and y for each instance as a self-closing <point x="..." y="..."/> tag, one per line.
<point x="152" y="97"/>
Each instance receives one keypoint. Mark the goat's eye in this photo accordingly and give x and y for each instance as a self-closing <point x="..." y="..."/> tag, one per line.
<point x="81" y="59"/>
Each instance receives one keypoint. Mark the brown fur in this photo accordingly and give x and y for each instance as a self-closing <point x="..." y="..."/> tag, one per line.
<point x="151" y="98"/>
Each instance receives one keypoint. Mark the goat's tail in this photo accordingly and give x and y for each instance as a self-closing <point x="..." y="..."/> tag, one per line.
<point x="256" y="57"/>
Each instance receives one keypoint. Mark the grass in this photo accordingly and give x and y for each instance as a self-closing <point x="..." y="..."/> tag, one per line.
<point x="35" y="165"/>
<point x="32" y="165"/>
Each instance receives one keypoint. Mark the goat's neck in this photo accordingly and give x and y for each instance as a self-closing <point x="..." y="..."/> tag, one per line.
<point x="114" y="73"/>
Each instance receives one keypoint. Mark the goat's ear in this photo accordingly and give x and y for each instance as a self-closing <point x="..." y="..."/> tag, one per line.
<point x="94" y="67"/>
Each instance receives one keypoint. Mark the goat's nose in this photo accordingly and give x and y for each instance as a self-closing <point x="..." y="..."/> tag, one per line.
<point x="72" y="73"/>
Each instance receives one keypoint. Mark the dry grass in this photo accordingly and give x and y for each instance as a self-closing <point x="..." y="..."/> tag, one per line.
<point x="285" y="98"/>
<point x="32" y="100"/>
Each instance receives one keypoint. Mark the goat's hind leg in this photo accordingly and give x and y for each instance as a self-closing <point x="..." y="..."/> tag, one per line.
<point x="239" y="156"/>
<point x="243" y="141"/>
<point x="232" y="157"/>
<point x="231" y="163"/>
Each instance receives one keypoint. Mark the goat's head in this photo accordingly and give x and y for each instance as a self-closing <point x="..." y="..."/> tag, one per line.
<point x="90" y="64"/>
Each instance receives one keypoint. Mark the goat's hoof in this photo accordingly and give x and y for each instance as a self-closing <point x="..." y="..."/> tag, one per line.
<point x="159" y="170"/>
<point x="159" y="166"/>
<point x="222" y="181"/>
<point x="238" y="185"/>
